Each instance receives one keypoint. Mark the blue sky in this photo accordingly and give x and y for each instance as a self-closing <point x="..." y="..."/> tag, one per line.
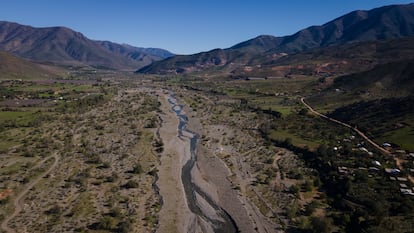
<point x="181" y="26"/>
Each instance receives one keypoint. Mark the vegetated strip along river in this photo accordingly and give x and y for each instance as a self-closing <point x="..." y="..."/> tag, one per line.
<point x="190" y="188"/>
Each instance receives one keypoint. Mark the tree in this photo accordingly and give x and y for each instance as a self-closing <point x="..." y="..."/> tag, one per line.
<point x="106" y="223"/>
<point x="287" y="142"/>
<point x="321" y="225"/>
<point x="137" y="169"/>
<point x="55" y="210"/>
<point x="292" y="210"/>
<point x="322" y="150"/>
<point x="294" y="189"/>
<point x="303" y="111"/>
<point x="316" y="182"/>
<point x="311" y="207"/>
<point x="131" y="184"/>
<point x="116" y="212"/>
<point x="308" y="185"/>
<point x="125" y="227"/>
<point x="243" y="103"/>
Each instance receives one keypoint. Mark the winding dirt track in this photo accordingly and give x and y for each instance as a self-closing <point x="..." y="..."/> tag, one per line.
<point x="346" y="125"/>
<point x="411" y="178"/>
<point x="18" y="204"/>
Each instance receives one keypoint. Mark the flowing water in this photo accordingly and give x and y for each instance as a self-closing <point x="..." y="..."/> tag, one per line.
<point x="223" y="224"/>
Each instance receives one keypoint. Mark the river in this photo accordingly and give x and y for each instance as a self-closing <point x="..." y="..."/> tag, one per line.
<point x="220" y="221"/>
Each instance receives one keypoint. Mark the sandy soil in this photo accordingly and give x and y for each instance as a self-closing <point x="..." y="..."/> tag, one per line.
<point x="121" y="147"/>
<point x="246" y="215"/>
<point x="174" y="215"/>
<point x="210" y="174"/>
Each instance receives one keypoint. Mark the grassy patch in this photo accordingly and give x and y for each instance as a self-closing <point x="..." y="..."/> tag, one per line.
<point x="13" y="168"/>
<point x="21" y="117"/>
<point x="403" y="137"/>
<point x="12" y="137"/>
<point x="5" y="145"/>
<point x="284" y="110"/>
<point x="18" y="119"/>
<point x="143" y="149"/>
<point x="281" y="135"/>
<point x="84" y="205"/>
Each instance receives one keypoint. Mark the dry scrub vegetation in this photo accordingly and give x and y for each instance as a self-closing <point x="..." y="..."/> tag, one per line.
<point x="273" y="179"/>
<point x="106" y="160"/>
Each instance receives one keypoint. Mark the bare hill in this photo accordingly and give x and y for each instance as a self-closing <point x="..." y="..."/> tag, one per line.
<point x="12" y="67"/>
<point x="61" y="45"/>
<point x="388" y="22"/>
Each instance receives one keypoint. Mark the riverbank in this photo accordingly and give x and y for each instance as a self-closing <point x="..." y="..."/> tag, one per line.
<point x="202" y="213"/>
<point x="214" y="177"/>
<point x="174" y="215"/>
<point x="219" y="201"/>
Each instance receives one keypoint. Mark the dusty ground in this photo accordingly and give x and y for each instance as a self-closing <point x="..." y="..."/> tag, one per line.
<point x="212" y="175"/>
<point x="174" y="215"/>
<point x="117" y="168"/>
<point x="248" y="178"/>
<point x="99" y="175"/>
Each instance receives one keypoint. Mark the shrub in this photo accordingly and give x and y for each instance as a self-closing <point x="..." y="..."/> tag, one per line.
<point x="321" y="225"/>
<point x="311" y="207"/>
<point x="308" y="185"/>
<point x="4" y="200"/>
<point x="106" y="165"/>
<point x="131" y="184"/>
<point x="137" y="169"/>
<point x="125" y="227"/>
<point x="106" y="223"/>
<point x="294" y="189"/>
<point x="115" y="212"/>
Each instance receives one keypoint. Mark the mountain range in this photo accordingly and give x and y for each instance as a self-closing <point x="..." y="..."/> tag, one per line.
<point x="388" y="22"/>
<point x="63" y="46"/>
<point x="333" y="48"/>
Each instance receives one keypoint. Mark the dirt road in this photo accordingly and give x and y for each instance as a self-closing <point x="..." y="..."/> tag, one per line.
<point x="346" y="125"/>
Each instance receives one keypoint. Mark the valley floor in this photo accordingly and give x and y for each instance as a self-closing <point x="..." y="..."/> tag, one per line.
<point x="145" y="156"/>
<point x="117" y="167"/>
<point x="209" y="173"/>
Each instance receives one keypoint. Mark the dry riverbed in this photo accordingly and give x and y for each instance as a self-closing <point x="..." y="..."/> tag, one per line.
<point x="210" y="173"/>
<point x="118" y="167"/>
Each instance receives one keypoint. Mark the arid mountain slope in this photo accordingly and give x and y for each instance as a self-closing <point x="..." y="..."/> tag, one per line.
<point x="382" y="23"/>
<point x="12" y="67"/>
<point x="60" y="45"/>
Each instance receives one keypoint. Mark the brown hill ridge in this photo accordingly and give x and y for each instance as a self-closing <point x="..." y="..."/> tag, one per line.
<point x="63" y="46"/>
<point x="12" y="67"/>
<point x="388" y="22"/>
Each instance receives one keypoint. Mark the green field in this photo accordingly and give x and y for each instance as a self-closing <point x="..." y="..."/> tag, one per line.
<point x="59" y="87"/>
<point x="281" y="135"/>
<point x="21" y="118"/>
<point x="403" y="137"/>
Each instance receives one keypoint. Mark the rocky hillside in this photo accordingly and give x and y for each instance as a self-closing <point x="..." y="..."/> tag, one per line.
<point x="330" y="61"/>
<point x="63" y="46"/>
<point x="12" y="67"/>
<point x="382" y="23"/>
